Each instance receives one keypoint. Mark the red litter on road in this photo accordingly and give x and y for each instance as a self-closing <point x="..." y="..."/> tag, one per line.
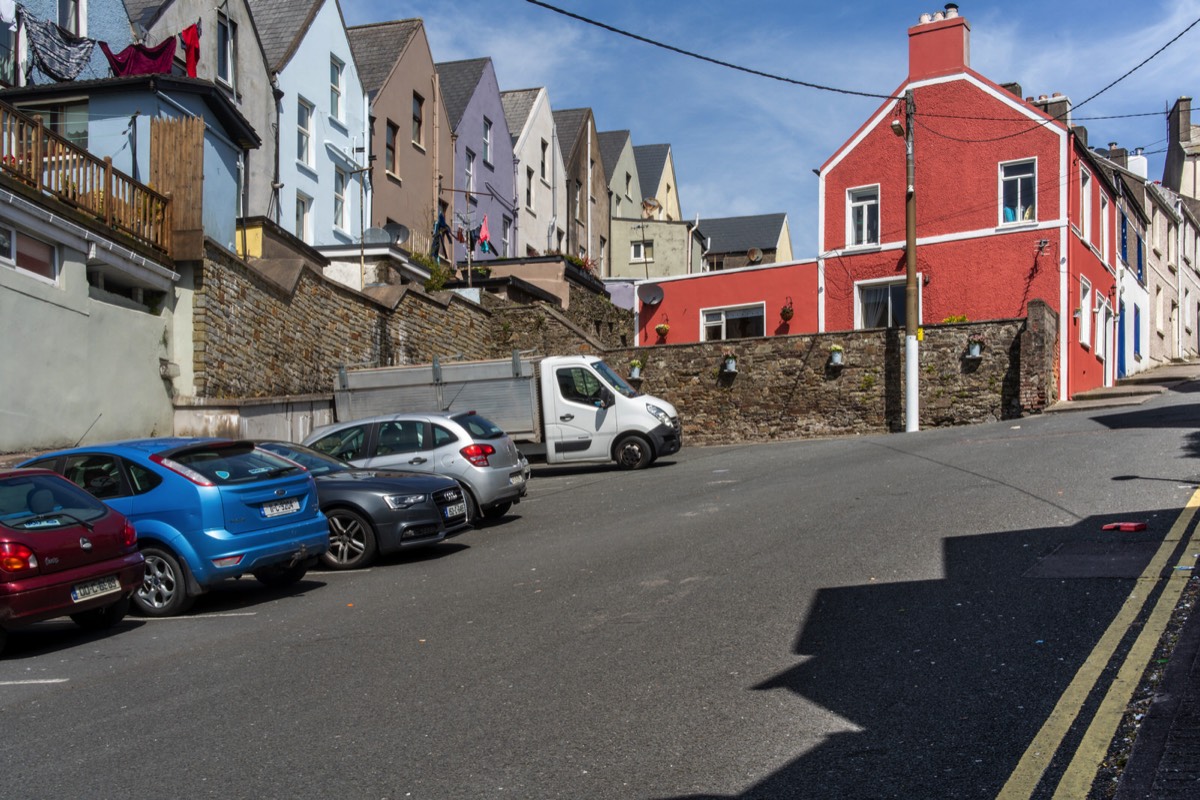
<point x="1126" y="527"/>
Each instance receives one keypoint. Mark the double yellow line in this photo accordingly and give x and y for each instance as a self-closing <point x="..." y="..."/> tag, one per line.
<point x="1077" y="781"/>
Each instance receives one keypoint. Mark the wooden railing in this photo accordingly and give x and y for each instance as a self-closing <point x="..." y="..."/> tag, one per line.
<point x="41" y="158"/>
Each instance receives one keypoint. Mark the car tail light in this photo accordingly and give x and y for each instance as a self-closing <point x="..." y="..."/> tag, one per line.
<point x="228" y="561"/>
<point x="17" y="559"/>
<point x="180" y="469"/>
<point x="478" y="454"/>
<point x="128" y="535"/>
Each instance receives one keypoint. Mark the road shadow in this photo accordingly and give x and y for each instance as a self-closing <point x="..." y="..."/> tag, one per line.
<point x="542" y="470"/>
<point x="934" y="688"/>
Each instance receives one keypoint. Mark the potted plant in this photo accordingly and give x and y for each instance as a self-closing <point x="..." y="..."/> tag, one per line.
<point x="729" y="361"/>
<point x="787" y="312"/>
<point x="662" y="329"/>
<point x="635" y="368"/>
<point x="975" y="346"/>
<point x="835" y="355"/>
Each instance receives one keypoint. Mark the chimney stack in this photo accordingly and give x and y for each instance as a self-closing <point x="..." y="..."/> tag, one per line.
<point x="1118" y="155"/>
<point x="939" y="44"/>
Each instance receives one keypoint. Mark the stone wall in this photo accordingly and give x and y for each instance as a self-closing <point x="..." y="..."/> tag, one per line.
<point x="786" y="387"/>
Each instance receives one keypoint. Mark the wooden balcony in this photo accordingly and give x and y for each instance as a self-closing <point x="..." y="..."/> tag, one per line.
<point x="49" y="163"/>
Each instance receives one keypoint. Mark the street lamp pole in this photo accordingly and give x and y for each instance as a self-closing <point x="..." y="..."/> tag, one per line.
<point x="912" y="409"/>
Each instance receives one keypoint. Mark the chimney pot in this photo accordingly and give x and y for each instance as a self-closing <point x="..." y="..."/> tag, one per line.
<point x="1057" y="94"/>
<point x="925" y="18"/>
<point x="938" y="16"/>
<point x="1043" y="97"/>
<point x="1030" y="99"/>
<point x="1112" y="145"/>
<point x="951" y="10"/>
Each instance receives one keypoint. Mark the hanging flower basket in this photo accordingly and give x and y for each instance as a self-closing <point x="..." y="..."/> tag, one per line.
<point x="729" y="362"/>
<point x="787" y="312"/>
<point x="662" y="329"/>
<point x="835" y="355"/>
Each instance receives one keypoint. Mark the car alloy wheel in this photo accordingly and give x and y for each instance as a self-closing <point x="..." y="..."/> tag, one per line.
<point x="163" y="592"/>
<point x="351" y="540"/>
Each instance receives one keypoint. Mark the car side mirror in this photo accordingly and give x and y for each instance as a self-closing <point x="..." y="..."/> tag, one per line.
<point x="606" y="398"/>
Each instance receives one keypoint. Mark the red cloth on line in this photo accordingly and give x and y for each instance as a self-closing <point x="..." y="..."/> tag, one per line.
<point x="137" y="59"/>
<point x="483" y="231"/>
<point x="191" y="47"/>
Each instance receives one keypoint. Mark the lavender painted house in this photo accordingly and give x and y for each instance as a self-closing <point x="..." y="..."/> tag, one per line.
<point x="483" y="156"/>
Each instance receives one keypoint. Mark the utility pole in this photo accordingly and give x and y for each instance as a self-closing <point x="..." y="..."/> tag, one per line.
<point x="912" y="408"/>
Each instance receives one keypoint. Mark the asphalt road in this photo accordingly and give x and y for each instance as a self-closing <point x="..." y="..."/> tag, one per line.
<point x="868" y="617"/>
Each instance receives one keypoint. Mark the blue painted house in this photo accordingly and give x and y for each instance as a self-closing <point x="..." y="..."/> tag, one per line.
<point x="483" y="156"/>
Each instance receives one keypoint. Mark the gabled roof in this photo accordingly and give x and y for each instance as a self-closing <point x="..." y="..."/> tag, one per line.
<point x="651" y="161"/>
<point x="378" y="47"/>
<point x="611" y="145"/>
<point x="518" y="103"/>
<point x="459" y="79"/>
<point x="569" y="123"/>
<point x="739" y="234"/>
<point x="282" y="24"/>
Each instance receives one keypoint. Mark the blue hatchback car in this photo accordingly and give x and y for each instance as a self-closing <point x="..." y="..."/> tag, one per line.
<point x="205" y="510"/>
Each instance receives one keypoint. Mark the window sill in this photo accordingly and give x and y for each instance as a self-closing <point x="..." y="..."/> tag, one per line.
<point x="530" y="212"/>
<point x="872" y="247"/>
<point x="1022" y="224"/>
<point x="307" y="169"/>
<point x="418" y="146"/>
<point x="489" y="165"/>
<point x="393" y="177"/>
<point x="338" y="125"/>
<point x="545" y="183"/>
<point x="1156" y="251"/>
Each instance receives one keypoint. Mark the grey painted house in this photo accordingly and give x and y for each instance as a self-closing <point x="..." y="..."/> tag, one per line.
<point x="746" y="241"/>
<point x="588" y="215"/>
<point x="483" y="179"/>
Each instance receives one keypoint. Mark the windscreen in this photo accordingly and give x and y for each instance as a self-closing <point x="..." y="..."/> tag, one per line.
<point x="613" y="379"/>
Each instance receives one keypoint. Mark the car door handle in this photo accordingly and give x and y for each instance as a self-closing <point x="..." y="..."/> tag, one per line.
<point x="417" y="460"/>
<point x="567" y="417"/>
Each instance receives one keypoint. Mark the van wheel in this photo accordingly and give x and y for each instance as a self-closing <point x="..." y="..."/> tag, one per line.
<point x="633" y="452"/>
<point x="163" y="592"/>
<point x="99" y="619"/>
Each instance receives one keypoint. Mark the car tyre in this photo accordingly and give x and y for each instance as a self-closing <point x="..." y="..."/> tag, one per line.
<point x="633" y="452"/>
<point x="163" y="592"/>
<point x="497" y="511"/>
<point x="351" y="540"/>
<point x="99" y="619"/>
<point x="283" y="575"/>
<point x="473" y="514"/>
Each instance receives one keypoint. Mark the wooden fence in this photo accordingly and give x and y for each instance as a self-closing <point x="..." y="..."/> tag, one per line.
<point x="50" y="163"/>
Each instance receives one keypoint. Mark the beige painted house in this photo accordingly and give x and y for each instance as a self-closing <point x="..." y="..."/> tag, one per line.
<point x="413" y="167"/>
<point x="539" y="172"/>
<point x="660" y="188"/>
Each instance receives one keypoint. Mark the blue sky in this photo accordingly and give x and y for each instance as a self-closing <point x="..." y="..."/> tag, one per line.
<point x="747" y="145"/>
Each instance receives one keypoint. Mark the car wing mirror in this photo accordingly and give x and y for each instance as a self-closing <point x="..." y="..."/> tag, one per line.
<point x="606" y="399"/>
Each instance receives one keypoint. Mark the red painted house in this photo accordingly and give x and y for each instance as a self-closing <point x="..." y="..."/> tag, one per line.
<point x="1011" y="207"/>
<point x="728" y="304"/>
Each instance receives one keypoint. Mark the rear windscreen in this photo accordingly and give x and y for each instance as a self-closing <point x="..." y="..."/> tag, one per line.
<point x="479" y="427"/>
<point x="37" y="499"/>
<point x="236" y="463"/>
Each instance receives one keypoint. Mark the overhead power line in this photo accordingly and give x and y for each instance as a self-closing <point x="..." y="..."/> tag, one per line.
<point x="710" y="60"/>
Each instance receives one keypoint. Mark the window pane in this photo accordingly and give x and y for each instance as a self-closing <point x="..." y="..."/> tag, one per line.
<point x="35" y="256"/>
<point x="874" y="307"/>
<point x="899" y="307"/>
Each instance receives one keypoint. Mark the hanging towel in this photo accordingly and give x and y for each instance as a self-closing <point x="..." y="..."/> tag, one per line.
<point x="59" y="54"/>
<point x="138" y="59"/>
<point x="191" y="47"/>
<point x="485" y="238"/>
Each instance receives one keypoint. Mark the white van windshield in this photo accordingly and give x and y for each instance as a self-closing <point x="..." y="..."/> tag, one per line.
<point x="613" y="379"/>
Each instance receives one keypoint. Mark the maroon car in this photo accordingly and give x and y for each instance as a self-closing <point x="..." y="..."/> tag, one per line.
<point x="62" y="553"/>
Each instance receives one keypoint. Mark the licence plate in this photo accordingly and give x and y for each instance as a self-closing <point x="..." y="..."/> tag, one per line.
<point x="455" y="510"/>
<point x="86" y="591"/>
<point x="516" y="479"/>
<point x="277" y="508"/>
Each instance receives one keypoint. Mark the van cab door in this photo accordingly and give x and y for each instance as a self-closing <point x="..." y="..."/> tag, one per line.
<point x="582" y="417"/>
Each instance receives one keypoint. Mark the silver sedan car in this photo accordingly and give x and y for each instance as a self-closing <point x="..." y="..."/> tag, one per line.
<point x="462" y="445"/>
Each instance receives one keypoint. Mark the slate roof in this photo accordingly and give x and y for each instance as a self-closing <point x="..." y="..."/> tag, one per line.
<point x="569" y="123"/>
<point x="739" y="234"/>
<point x="143" y="12"/>
<point x="281" y="26"/>
<point x="378" y="47"/>
<point x="651" y="160"/>
<point x="459" y="79"/>
<point x="518" y="103"/>
<point x="611" y="145"/>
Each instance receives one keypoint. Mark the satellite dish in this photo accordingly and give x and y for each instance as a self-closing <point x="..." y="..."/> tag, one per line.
<point x="754" y="255"/>
<point x="376" y="236"/>
<point x="650" y="293"/>
<point x="398" y="232"/>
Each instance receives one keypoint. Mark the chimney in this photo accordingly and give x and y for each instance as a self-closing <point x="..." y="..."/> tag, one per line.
<point x="1057" y="105"/>
<point x="1118" y="155"/>
<point x="939" y="44"/>
<point x="1179" y="122"/>
<point x="1012" y="88"/>
<point x="1139" y="165"/>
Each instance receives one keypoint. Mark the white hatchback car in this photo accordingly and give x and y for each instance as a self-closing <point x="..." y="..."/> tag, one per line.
<point x="462" y="445"/>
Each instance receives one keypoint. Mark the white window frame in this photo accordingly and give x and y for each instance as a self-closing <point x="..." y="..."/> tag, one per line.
<point x="11" y="257"/>
<point x="304" y="135"/>
<point x="337" y="74"/>
<point x="1085" y="205"/>
<point x="545" y="157"/>
<point x="391" y="132"/>
<point x="506" y="238"/>
<point x="469" y="174"/>
<point x="1086" y="311"/>
<point x="487" y="141"/>
<point x="641" y="251"/>
<point x="1003" y="179"/>
<point x="875" y="283"/>
<point x="862" y="198"/>
<point x="1105" y="248"/>
<point x="76" y="8"/>
<point x="723" y="311"/>
<point x="304" y="205"/>
<point x="1103" y="314"/>
<point x="341" y="182"/>
<point x="227" y="30"/>
<point x="529" y="188"/>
